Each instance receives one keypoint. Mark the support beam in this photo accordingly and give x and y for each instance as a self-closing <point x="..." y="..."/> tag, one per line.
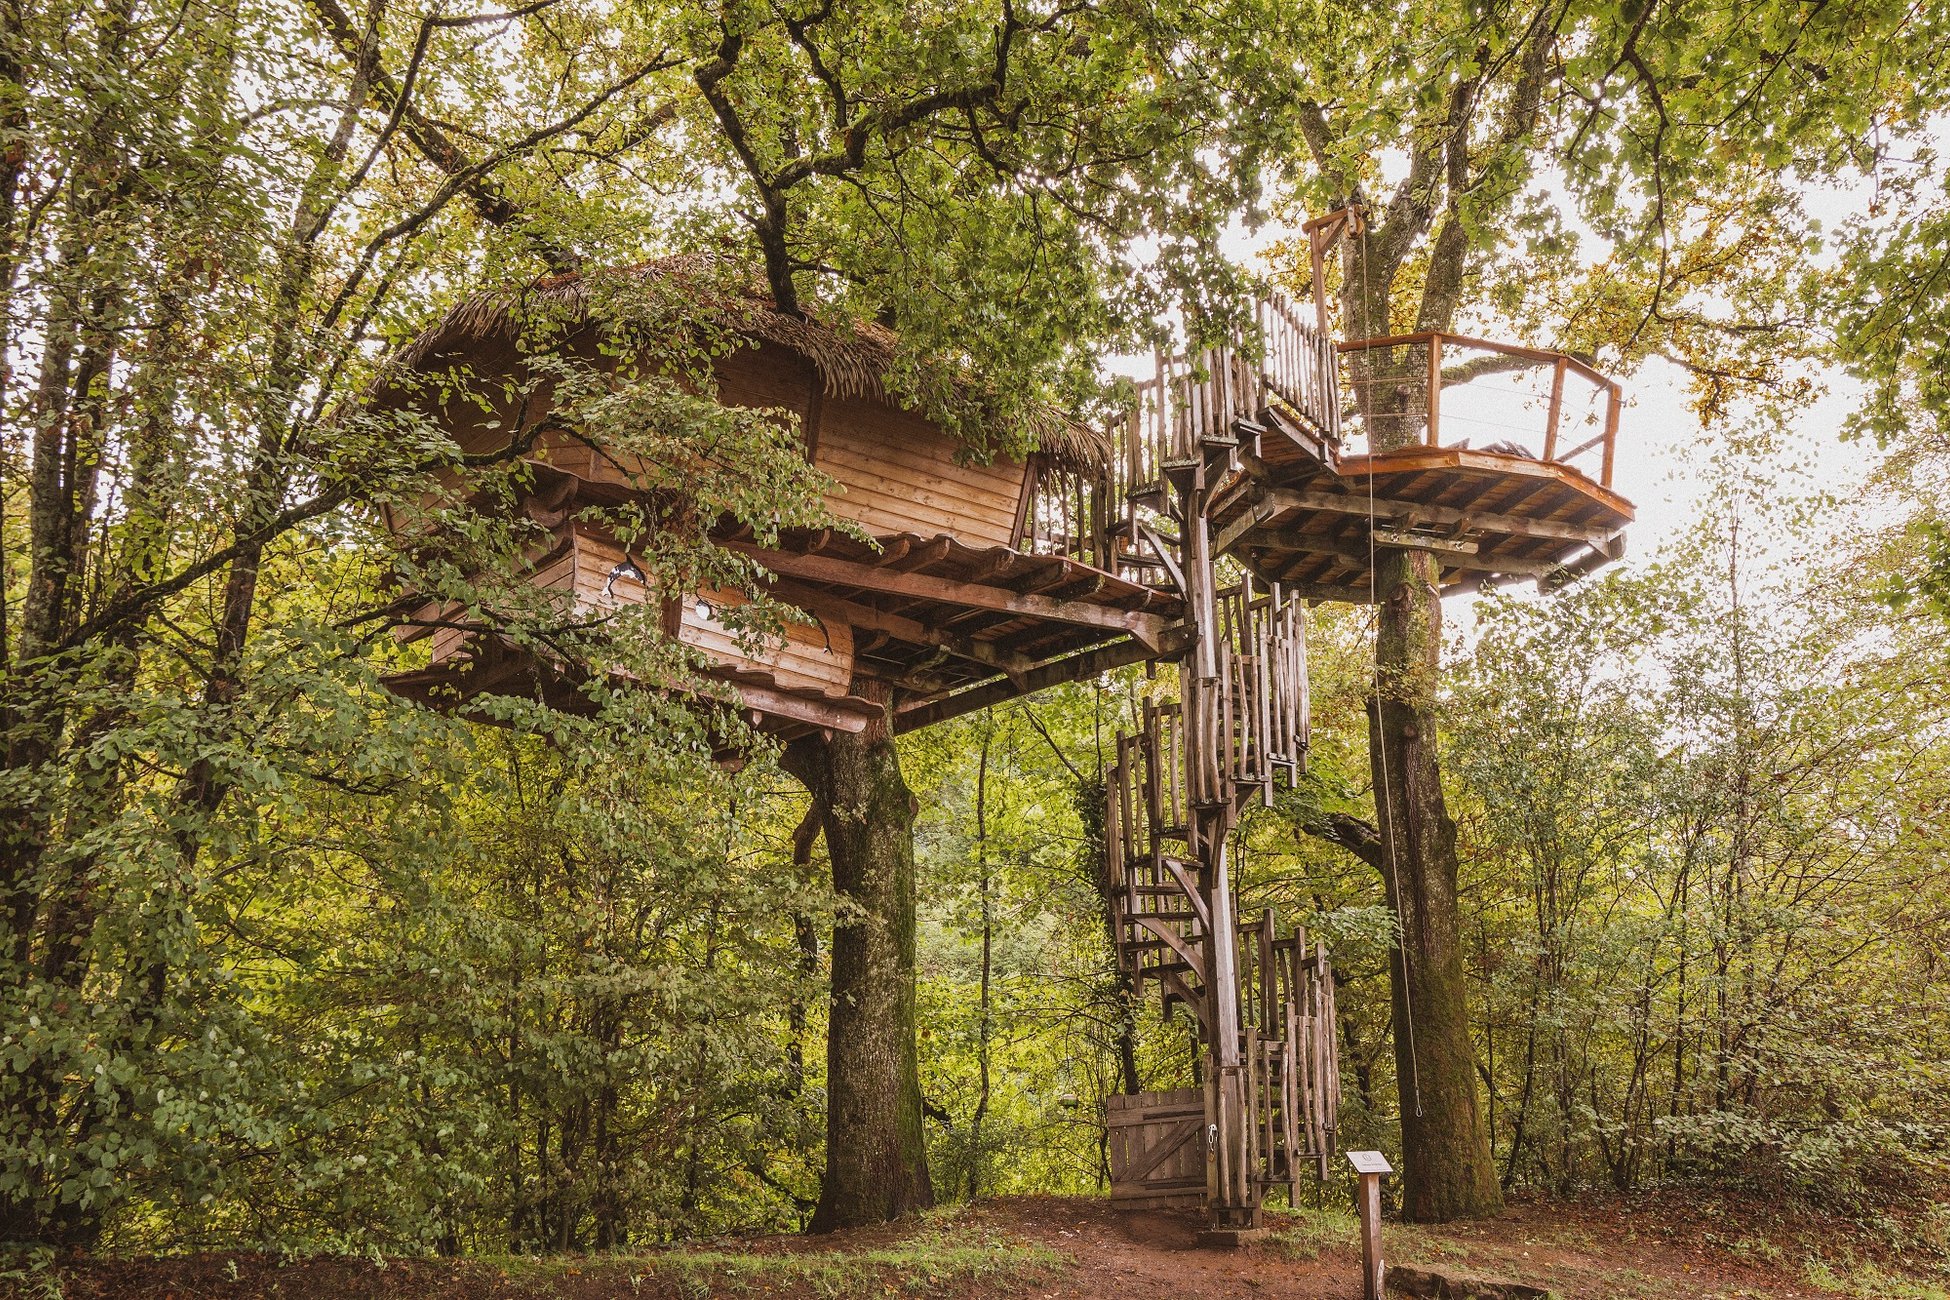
<point x="808" y="708"/>
<point x="902" y="628"/>
<point x="1070" y="668"/>
<point x="1307" y="545"/>
<point x="1147" y="628"/>
<point x="1274" y="502"/>
<point x="1421" y="542"/>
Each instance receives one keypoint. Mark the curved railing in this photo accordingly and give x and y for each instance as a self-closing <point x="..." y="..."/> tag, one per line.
<point x="1190" y="399"/>
<point x="1193" y="398"/>
<point x="1430" y="389"/>
<point x="1450" y="390"/>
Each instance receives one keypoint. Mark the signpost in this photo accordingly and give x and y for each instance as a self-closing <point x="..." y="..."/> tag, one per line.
<point x="1370" y="1165"/>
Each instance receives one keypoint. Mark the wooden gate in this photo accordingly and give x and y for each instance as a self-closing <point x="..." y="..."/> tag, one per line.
<point x="1157" y="1149"/>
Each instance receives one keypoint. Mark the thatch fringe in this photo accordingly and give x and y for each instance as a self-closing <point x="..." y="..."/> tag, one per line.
<point x="854" y="361"/>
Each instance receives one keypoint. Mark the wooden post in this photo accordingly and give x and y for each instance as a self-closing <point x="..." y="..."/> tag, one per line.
<point x="1317" y="249"/>
<point x="1435" y="388"/>
<point x="1370" y="1165"/>
<point x="1557" y="409"/>
<point x="1611" y="433"/>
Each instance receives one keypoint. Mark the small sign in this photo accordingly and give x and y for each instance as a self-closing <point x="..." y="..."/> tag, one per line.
<point x="1369" y="1162"/>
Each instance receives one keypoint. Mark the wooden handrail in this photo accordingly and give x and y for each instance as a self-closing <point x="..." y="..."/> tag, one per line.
<point x="1561" y="365"/>
<point x="1195" y="399"/>
<point x="1489" y="345"/>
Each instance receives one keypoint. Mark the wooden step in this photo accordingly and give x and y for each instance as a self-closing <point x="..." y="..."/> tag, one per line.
<point x="1184" y="923"/>
<point x="1141" y="946"/>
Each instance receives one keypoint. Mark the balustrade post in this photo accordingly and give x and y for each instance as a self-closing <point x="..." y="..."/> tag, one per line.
<point x="1435" y="389"/>
<point x="1557" y="409"/>
<point x="1611" y="432"/>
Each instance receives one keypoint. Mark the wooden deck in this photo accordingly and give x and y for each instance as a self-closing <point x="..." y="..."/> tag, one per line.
<point x="1490" y="518"/>
<point x="952" y="627"/>
<point x="1306" y="503"/>
<point x="955" y="627"/>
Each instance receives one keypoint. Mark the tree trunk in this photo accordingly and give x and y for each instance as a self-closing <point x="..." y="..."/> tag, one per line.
<point x="876" y="1151"/>
<point x="1449" y="1173"/>
<point x="985" y="1016"/>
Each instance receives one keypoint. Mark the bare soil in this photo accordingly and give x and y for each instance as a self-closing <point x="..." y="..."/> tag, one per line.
<point x="1050" y="1248"/>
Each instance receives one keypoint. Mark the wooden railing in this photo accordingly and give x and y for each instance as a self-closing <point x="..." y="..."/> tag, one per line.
<point x="1257" y="724"/>
<point x="1089" y="517"/>
<point x="1263" y="667"/>
<point x="1429" y="389"/>
<point x="1288" y="1024"/>
<point x="1450" y="390"/>
<point x="1070" y="513"/>
<point x="1194" y="399"/>
<point x="1300" y="367"/>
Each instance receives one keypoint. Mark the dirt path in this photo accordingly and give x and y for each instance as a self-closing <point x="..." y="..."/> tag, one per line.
<point x="1051" y="1248"/>
<point x="1152" y="1254"/>
<point x="1606" y="1251"/>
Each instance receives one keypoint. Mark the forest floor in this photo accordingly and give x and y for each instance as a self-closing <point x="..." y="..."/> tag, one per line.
<point x="1050" y="1248"/>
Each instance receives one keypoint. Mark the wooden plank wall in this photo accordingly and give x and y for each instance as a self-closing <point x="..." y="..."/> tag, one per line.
<point x="898" y="474"/>
<point x="769" y="376"/>
<point x="896" y="471"/>
<point x="813" y="656"/>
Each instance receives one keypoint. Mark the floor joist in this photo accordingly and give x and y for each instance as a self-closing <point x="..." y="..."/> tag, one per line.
<point x="1147" y="628"/>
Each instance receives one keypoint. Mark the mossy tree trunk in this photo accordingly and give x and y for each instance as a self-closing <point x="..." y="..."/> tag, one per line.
<point x="1449" y="1171"/>
<point x="876" y="1150"/>
<point x="1417" y="241"/>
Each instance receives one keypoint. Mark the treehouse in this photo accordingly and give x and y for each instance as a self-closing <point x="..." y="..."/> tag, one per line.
<point x="982" y="580"/>
<point x="1248" y="480"/>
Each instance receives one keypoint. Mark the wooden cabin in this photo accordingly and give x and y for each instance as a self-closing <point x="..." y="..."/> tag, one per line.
<point x="980" y="583"/>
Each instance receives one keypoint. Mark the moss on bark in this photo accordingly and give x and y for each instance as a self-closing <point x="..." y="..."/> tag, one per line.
<point x="876" y="1149"/>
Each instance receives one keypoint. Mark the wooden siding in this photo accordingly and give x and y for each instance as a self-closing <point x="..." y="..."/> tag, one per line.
<point x="897" y="473"/>
<point x="815" y="655"/>
<point x="812" y="656"/>
<point x="770" y="377"/>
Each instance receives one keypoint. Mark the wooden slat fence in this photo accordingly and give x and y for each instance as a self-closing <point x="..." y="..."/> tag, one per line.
<point x="1194" y="399"/>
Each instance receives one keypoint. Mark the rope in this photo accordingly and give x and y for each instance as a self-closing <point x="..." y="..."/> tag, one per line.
<point x="1381" y="750"/>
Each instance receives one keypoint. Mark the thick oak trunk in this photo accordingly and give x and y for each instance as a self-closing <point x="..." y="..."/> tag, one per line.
<point x="1449" y="1172"/>
<point x="876" y="1151"/>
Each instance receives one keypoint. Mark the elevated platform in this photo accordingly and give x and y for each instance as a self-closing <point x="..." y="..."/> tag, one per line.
<point x="1336" y="452"/>
<point x="1488" y="517"/>
<point x="951" y="627"/>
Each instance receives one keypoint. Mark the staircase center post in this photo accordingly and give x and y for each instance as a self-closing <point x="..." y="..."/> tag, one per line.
<point x="1232" y="1178"/>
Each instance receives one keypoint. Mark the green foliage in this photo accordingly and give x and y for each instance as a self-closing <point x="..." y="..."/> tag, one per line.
<point x="287" y="958"/>
<point x="1018" y="1066"/>
<point x="929" y="1264"/>
<point x="1695" y="823"/>
<point x="291" y="961"/>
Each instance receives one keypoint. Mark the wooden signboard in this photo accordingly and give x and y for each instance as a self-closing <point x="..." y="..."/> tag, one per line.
<point x="1370" y="1166"/>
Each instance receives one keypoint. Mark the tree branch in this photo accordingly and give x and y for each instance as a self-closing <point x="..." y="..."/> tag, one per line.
<point x="1346" y="831"/>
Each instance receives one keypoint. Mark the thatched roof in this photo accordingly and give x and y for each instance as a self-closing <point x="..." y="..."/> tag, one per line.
<point x="854" y="359"/>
